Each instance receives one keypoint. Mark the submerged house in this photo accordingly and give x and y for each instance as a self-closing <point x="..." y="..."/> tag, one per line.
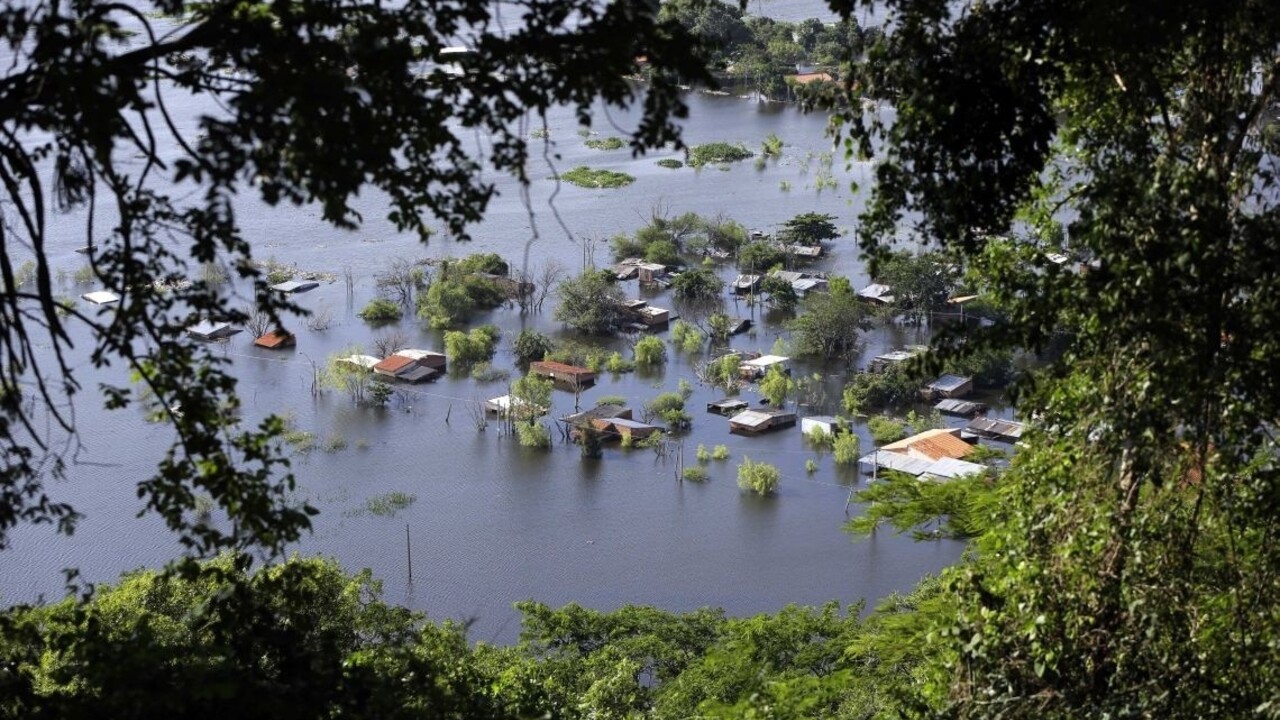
<point x="624" y="428"/>
<point x="880" y="363"/>
<point x="211" y="331"/>
<point x="949" y="386"/>
<point x="876" y="294"/>
<point x="277" y="339"/>
<point x="754" y="422"/>
<point x="361" y="361"/>
<point x="506" y="405"/>
<point x="757" y="368"/>
<point x="651" y="272"/>
<point x="993" y="429"/>
<point x="411" y="366"/>
<point x="727" y="406"/>
<point x="570" y="376"/>
<point x="101" y="297"/>
<point x="825" y="423"/>
<point x="960" y="408"/>
<point x="932" y="454"/>
<point x="646" y="314"/>
<point x="293" y="287"/>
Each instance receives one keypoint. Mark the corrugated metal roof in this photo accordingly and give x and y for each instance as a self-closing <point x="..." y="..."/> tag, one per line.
<point x="934" y="444"/>
<point x="551" y="366"/>
<point x="947" y="383"/>
<point x="952" y="468"/>
<point x="393" y="364"/>
<point x="895" y="461"/>
<point x="878" y="292"/>
<point x="417" y="373"/>
<point x="751" y="418"/>
<point x="766" y="360"/>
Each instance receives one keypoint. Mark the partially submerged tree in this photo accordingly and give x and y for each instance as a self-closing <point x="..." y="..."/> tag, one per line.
<point x="591" y="303"/>
<point x="314" y="102"/>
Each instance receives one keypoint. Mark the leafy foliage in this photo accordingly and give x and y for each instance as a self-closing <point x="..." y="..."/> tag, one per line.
<point x="894" y="388"/>
<point x="669" y="407"/>
<point x="531" y="345"/>
<point x="717" y="152"/>
<point x="776" y="386"/>
<point x="607" y="143"/>
<point x="760" y="478"/>
<point x="586" y="177"/>
<point x="475" y="346"/>
<point x="810" y="228"/>
<point x="380" y="311"/>
<point x="650" y="351"/>
<point x="885" y="430"/>
<point x="697" y="284"/>
<point x="830" y="322"/>
<point x="590" y="303"/>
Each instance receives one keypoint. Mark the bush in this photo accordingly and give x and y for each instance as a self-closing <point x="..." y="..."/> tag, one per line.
<point x="586" y="177"/>
<point x="591" y="446"/>
<point x="471" y="347"/>
<point x="760" y="478"/>
<point x="610" y="400"/>
<point x="759" y="256"/>
<point x="491" y="263"/>
<point x="484" y="372"/>
<point x="381" y="310"/>
<point x="893" y="388"/>
<point x="669" y="406"/>
<point x="845" y="445"/>
<point x="608" y="143"/>
<point x="700" y="284"/>
<point x="885" y="430"/>
<point x="810" y="466"/>
<point x="693" y="473"/>
<point x="721" y="452"/>
<point x="617" y="364"/>
<point x="650" y="351"/>
<point x="670" y="163"/>
<point x="717" y="152"/>
<point x="533" y="435"/>
<point x="451" y="300"/>
<point x="771" y="146"/>
<point x="389" y="504"/>
<point x="687" y="337"/>
<point x="531" y="345"/>
<point x="662" y="252"/>
<point x="703" y="454"/>
<point x="819" y="437"/>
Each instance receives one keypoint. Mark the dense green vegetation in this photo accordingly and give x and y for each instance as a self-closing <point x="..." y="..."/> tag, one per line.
<point x="586" y="177"/>
<point x="717" y="152"/>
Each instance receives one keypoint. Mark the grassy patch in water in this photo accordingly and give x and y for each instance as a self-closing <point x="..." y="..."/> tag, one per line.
<point x="586" y="177"/>
<point x="607" y="143"/>
<point x="717" y="152"/>
<point x="389" y="504"/>
<point x="670" y="163"/>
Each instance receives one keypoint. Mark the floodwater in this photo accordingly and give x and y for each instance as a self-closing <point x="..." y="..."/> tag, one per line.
<point x="494" y="523"/>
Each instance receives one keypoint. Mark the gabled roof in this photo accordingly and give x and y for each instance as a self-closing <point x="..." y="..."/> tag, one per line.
<point x="393" y="364"/>
<point x="877" y="292"/>
<point x="933" y="444"/>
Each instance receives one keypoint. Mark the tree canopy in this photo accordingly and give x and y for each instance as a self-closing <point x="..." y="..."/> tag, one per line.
<point x="305" y="104"/>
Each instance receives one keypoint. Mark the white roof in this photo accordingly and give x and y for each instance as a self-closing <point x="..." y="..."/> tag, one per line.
<point x="365" y="361"/>
<point x="790" y="276"/>
<point x="766" y="360"/>
<point x="294" y="286"/>
<point x="211" y="329"/>
<point x="806" y="284"/>
<point x="418" y="354"/>
<point x="101" y="297"/>
<point x="876" y="291"/>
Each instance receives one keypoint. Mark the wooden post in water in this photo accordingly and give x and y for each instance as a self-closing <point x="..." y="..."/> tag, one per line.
<point x="408" y="549"/>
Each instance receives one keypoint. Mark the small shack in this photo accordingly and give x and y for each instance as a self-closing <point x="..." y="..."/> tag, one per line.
<point x="759" y="420"/>
<point x="605" y="411"/>
<point x="948" y="386"/>
<point x="876" y="294"/>
<point x="757" y="368"/>
<point x="569" y="376"/>
<point x="406" y="368"/>
<point x="651" y="272"/>
<point x="960" y="408"/>
<point x="825" y="423"/>
<point x="807" y="285"/>
<point x="277" y="339"/>
<point x="293" y="287"/>
<point x="646" y="314"/>
<point x="727" y="407"/>
<point x="745" y="284"/>
<point x="937" y="470"/>
<point x="361" y="361"/>
<point x="101" y="297"/>
<point x="426" y="358"/>
<point x="806" y="252"/>
<point x="881" y="363"/>
<point x="211" y="331"/>
<point x="993" y="429"/>
<point x="505" y="405"/>
<point x="624" y="429"/>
